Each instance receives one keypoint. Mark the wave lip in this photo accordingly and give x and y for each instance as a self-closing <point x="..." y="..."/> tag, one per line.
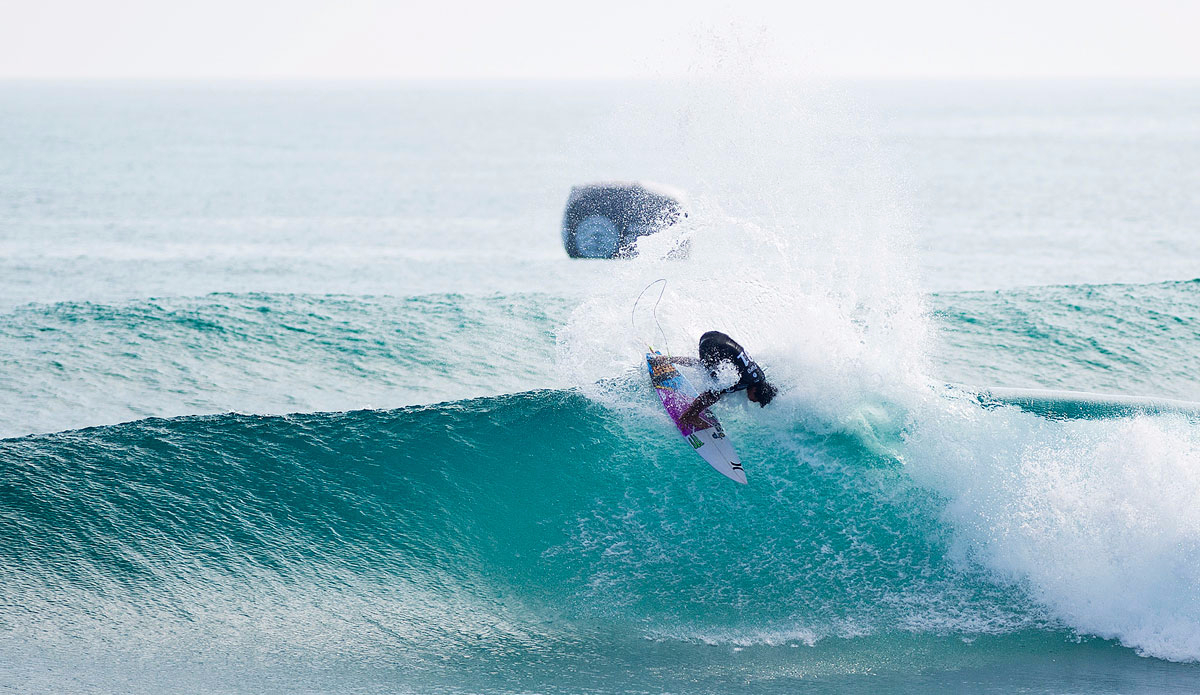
<point x="1083" y="405"/>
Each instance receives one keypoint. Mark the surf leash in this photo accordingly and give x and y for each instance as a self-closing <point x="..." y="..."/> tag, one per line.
<point x="653" y="313"/>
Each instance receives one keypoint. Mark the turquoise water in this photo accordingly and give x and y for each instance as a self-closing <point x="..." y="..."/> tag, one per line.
<point x="300" y="393"/>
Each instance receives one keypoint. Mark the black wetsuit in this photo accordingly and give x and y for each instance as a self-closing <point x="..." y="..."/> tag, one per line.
<point x="717" y="348"/>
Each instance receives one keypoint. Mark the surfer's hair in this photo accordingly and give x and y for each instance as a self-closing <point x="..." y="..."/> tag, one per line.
<point x="766" y="393"/>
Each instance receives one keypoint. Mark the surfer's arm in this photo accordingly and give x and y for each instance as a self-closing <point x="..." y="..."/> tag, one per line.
<point x="692" y="414"/>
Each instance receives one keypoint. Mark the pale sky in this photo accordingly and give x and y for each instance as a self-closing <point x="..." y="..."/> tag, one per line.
<point x="379" y="39"/>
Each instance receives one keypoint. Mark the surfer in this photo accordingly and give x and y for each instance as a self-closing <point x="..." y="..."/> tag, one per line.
<point x="717" y="350"/>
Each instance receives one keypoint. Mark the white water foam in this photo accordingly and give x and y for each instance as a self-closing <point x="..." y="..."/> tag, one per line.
<point x="1098" y="520"/>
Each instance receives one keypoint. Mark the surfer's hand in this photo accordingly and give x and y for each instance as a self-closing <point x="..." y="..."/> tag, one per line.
<point x="693" y="420"/>
<point x="692" y="416"/>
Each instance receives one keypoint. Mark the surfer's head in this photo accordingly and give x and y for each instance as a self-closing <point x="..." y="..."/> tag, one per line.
<point x="761" y="393"/>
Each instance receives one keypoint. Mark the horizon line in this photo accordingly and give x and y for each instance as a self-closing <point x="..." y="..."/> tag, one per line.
<point x="592" y="79"/>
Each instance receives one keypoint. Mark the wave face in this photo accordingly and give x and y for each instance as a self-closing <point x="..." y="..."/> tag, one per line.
<point x="499" y="540"/>
<point x="503" y="530"/>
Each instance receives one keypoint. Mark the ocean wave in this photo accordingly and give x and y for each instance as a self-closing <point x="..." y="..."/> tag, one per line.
<point x="530" y="516"/>
<point x="74" y="364"/>
<point x="876" y="506"/>
<point x="1117" y="338"/>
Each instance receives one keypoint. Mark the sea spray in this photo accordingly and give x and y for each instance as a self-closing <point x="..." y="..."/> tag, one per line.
<point x="1092" y="522"/>
<point x="798" y="252"/>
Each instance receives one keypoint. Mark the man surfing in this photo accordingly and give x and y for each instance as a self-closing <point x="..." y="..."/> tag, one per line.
<point x="717" y="350"/>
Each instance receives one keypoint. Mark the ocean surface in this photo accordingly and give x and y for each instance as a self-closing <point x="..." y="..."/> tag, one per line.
<point x="299" y="391"/>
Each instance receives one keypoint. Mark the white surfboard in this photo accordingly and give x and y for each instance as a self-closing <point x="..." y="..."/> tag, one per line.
<point x="676" y="394"/>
